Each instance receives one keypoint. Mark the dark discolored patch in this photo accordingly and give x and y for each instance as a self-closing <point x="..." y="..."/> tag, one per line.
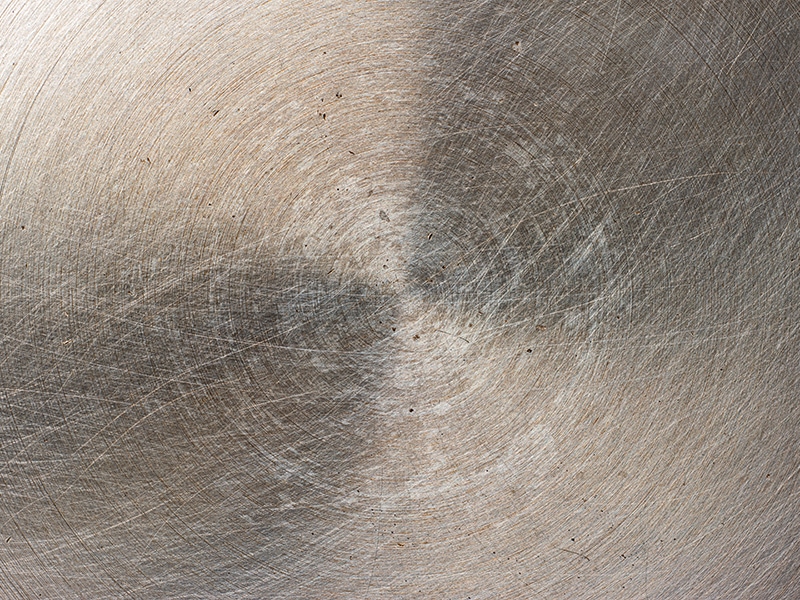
<point x="508" y="218"/>
<point x="595" y="161"/>
<point x="197" y="418"/>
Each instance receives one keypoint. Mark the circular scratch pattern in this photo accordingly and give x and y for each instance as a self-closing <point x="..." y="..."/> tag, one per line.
<point x="389" y="299"/>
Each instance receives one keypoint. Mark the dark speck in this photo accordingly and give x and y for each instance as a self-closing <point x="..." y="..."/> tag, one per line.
<point x="384" y="217"/>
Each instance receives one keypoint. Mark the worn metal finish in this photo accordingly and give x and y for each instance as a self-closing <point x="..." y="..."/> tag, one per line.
<point x="344" y="299"/>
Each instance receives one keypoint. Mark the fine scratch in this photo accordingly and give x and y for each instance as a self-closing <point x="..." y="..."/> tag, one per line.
<point x="610" y="38"/>
<point x="452" y="335"/>
<point x="575" y="553"/>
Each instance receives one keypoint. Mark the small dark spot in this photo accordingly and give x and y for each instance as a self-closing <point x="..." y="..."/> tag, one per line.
<point x="416" y="337"/>
<point x="23" y="227"/>
<point x="394" y="328"/>
<point x="215" y="112"/>
<point x="383" y="216"/>
<point x="338" y="94"/>
<point x="190" y="89"/>
<point x="324" y="116"/>
<point x="430" y="235"/>
<point x="528" y="350"/>
<point x="410" y="410"/>
<point x="351" y="152"/>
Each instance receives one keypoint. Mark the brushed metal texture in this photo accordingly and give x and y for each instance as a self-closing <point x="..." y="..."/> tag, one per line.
<point x="348" y="299"/>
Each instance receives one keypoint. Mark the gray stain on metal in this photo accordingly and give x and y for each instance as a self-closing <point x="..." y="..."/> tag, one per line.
<point x="179" y="394"/>
<point x="556" y="185"/>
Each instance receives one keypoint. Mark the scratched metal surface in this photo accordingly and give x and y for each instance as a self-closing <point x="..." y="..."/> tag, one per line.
<point x="344" y="299"/>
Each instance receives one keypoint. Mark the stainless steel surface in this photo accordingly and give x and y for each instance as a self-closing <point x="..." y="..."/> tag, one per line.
<point x="344" y="299"/>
